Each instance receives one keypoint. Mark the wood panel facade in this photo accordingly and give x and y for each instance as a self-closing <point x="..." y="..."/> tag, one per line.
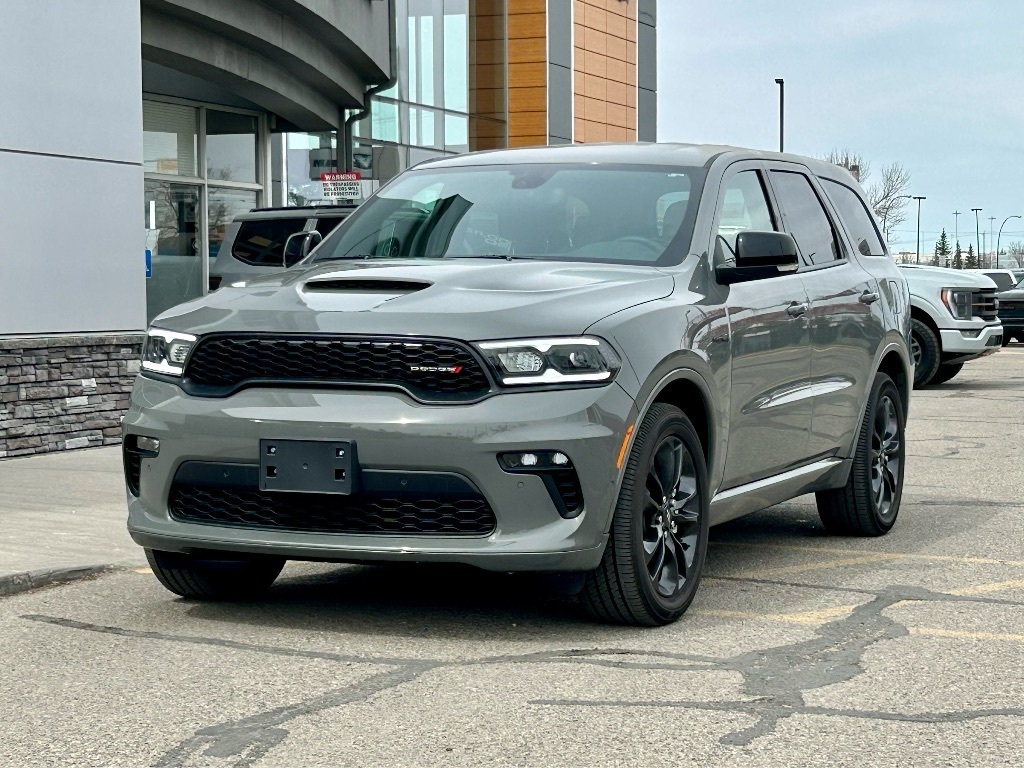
<point x="600" y="41"/>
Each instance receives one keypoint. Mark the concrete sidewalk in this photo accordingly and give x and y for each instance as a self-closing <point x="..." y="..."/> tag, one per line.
<point x="63" y="511"/>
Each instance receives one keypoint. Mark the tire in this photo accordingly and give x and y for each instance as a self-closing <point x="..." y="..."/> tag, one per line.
<point x="945" y="373"/>
<point x="860" y="508"/>
<point x="927" y="352"/>
<point x="622" y="590"/>
<point x="217" y="576"/>
<point x="1006" y="340"/>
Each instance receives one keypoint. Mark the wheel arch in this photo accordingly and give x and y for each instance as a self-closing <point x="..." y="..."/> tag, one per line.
<point x="895" y="367"/>
<point x="688" y="390"/>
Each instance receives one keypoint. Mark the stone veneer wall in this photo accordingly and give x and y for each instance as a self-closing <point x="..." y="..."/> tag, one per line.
<point x="62" y="392"/>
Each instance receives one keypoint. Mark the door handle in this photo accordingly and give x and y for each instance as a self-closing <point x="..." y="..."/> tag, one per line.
<point x="868" y="297"/>
<point x="796" y="308"/>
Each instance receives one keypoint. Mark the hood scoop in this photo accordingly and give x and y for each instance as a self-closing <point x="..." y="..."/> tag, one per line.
<point x="365" y="285"/>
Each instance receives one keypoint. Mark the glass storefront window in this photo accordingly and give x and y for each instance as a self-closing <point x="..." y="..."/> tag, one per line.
<point x="307" y="156"/>
<point x="170" y="138"/>
<point x="456" y="133"/>
<point x="230" y="146"/>
<point x="222" y="207"/>
<point x="456" y="56"/>
<point x="173" y="239"/>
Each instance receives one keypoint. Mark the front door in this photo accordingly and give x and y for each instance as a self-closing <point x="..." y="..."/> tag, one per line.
<point x="770" y="414"/>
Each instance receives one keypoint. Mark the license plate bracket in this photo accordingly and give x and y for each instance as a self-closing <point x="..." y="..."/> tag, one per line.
<point x="309" y="466"/>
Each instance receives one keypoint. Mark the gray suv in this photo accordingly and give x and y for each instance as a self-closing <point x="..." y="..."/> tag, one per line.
<point x="554" y="359"/>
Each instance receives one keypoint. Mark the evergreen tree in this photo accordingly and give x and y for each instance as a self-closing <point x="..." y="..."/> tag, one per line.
<point x="971" y="262"/>
<point x="941" y="258"/>
<point x="958" y="257"/>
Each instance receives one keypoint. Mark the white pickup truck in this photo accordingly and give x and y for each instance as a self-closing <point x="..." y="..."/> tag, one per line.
<point x="954" y="320"/>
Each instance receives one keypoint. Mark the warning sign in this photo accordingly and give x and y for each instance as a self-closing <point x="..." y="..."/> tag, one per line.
<point x="345" y="185"/>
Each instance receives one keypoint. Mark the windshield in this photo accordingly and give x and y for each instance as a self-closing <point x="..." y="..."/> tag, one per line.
<point x="617" y="214"/>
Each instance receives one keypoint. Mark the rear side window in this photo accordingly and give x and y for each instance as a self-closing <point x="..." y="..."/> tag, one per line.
<point x="261" y="243"/>
<point x="858" y="221"/>
<point x="805" y="217"/>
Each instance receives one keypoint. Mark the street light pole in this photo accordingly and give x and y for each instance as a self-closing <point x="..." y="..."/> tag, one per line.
<point x="1000" y="235"/>
<point x="991" y="232"/>
<point x="956" y="227"/>
<point x="977" y="235"/>
<point x="782" y="112"/>
<point x="919" y="198"/>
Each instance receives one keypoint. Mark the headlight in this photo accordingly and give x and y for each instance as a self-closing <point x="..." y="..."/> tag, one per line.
<point x="958" y="303"/>
<point x="166" y="351"/>
<point x="576" y="360"/>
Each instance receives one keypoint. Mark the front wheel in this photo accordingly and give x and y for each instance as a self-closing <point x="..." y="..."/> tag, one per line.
<point x="659" y="535"/>
<point x="870" y="501"/>
<point x="215" y="576"/>
<point x="927" y="352"/>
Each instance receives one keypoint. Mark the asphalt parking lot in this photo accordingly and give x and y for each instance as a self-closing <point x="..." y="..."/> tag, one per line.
<point x="800" y="649"/>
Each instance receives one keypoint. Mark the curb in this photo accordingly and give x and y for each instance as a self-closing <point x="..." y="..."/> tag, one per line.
<point x="16" y="583"/>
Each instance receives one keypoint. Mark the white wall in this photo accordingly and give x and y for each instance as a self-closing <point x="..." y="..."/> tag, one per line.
<point x="71" y="181"/>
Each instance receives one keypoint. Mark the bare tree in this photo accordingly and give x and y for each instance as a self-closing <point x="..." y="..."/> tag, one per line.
<point x="887" y="196"/>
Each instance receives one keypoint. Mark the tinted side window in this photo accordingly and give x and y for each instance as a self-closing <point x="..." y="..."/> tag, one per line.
<point x="806" y="220"/>
<point x="744" y="209"/>
<point x="856" y="218"/>
<point x="261" y="243"/>
<point x="327" y="224"/>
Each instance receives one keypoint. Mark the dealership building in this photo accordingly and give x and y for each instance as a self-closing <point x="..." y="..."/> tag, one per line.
<point x="133" y="131"/>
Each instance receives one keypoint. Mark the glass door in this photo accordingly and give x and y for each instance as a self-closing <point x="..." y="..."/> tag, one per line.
<point x="173" y="238"/>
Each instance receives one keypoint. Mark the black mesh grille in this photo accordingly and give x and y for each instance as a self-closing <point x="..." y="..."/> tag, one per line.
<point x="325" y="513"/>
<point x="1011" y="308"/>
<point x="983" y="304"/>
<point x="428" y="369"/>
<point x="568" y="486"/>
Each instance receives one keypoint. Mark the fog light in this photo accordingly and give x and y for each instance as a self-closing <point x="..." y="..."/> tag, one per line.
<point x="528" y="460"/>
<point x="560" y="459"/>
<point x="147" y="444"/>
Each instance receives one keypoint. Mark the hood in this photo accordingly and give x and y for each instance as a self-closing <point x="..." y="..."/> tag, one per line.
<point x="467" y="299"/>
<point x="1014" y="294"/>
<point x="948" y="278"/>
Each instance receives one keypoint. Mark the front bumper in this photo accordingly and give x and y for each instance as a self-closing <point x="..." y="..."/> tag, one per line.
<point x="392" y="432"/>
<point x="963" y="345"/>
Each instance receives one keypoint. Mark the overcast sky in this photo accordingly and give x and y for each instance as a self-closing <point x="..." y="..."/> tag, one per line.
<point x="936" y="85"/>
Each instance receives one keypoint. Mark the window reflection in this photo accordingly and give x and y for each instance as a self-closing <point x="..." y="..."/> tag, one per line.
<point x="230" y="146"/>
<point x="169" y="138"/>
<point x="223" y="206"/>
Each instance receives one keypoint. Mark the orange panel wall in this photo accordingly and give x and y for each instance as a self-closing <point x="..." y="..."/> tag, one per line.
<point x="527" y="72"/>
<point x="605" y="82"/>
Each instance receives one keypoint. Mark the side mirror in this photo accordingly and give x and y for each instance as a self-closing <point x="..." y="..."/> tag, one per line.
<point x="298" y="246"/>
<point x="760" y="255"/>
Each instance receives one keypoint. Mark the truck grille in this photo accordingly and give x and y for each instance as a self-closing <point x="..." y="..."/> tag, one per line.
<point x="1011" y="309"/>
<point x="983" y="304"/>
<point x="428" y="369"/>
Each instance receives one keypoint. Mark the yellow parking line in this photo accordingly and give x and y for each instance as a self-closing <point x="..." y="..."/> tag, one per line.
<point x="817" y="566"/>
<point x="984" y="589"/>
<point x="936" y="632"/>
<point x="816" y="617"/>
<point x="142" y="570"/>
<point x="842" y="551"/>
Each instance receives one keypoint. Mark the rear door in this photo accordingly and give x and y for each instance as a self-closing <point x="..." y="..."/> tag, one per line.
<point x="769" y="417"/>
<point x="846" y="322"/>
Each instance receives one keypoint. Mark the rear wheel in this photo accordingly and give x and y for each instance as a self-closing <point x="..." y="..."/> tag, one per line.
<point x="652" y="565"/>
<point x="924" y="345"/>
<point x="870" y="501"/>
<point x="215" y="575"/>
<point x="946" y="372"/>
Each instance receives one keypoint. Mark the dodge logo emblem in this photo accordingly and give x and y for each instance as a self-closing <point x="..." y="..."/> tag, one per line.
<point x="435" y="368"/>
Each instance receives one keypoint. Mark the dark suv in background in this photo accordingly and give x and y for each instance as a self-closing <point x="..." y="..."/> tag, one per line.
<point x="254" y="243"/>
<point x="554" y="359"/>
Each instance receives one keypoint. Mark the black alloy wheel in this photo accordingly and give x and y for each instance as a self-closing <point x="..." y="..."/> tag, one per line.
<point x="671" y="517"/>
<point x="870" y="501"/>
<point x="658" y="539"/>
<point x="886" y="457"/>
